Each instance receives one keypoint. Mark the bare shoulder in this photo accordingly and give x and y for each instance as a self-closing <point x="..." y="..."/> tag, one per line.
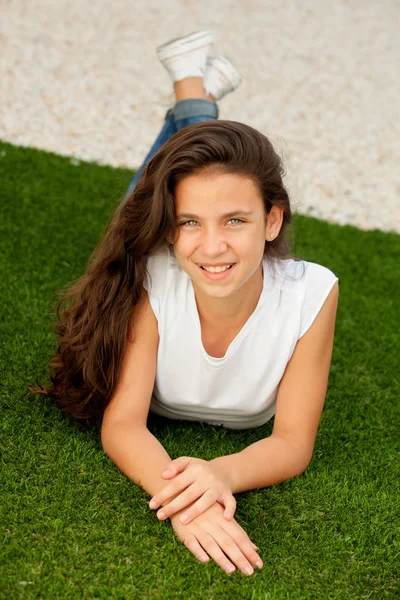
<point x="324" y="321"/>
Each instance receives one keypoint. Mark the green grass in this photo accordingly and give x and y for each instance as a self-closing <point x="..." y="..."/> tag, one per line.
<point x="73" y="526"/>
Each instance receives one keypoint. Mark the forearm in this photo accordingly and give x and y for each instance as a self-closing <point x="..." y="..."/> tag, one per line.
<point x="262" y="464"/>
<point x="138" y="454"/>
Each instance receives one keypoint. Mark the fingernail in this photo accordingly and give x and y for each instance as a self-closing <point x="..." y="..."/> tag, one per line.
<point x="167" y="472"/>
<point x="153" y="504"/>
<point x="249" y="571"/>
<point x="259" y="565"/>
<point x="184" y="518"/>
<point x="161" y="515"/>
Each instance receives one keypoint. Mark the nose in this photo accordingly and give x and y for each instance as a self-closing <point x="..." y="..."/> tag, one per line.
<point x="213" y="242"/>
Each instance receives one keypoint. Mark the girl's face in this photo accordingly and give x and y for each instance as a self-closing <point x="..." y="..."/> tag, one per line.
<point x="221" y="221"/>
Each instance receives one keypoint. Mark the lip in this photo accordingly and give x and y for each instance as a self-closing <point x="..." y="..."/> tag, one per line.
<point x="217" y="276"/>
<point x="221" y="264"/>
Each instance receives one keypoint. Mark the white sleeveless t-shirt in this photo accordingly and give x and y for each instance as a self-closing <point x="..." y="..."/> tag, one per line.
<point x="239" y="390"/>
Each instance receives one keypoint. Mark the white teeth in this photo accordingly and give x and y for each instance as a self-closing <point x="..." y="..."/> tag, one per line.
<point x="217" y="269"/>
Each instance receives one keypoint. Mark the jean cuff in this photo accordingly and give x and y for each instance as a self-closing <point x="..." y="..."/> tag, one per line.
<point x="195" y="107"/>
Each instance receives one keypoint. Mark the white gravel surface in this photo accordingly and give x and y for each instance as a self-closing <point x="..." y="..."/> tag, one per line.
<point x="321" y="78"/>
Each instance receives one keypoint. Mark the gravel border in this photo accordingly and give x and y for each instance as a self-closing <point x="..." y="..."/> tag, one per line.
<point x="320" y="78"/>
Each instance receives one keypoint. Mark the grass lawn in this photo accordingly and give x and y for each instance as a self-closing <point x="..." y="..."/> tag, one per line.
<point x="73" y="526"/>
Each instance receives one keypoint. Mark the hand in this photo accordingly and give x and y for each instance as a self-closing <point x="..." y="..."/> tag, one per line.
<point x="210" y="535"/>
<point x="199" y="480"/>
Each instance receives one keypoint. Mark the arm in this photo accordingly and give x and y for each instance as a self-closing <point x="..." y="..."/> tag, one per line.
<point x="138" y="454"/>
<point x="124" y="434"/>
<point x="264" y="463"/>
<point x="301" y="395"/>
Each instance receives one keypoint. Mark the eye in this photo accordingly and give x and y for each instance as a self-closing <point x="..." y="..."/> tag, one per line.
<point x="186" y="223"/>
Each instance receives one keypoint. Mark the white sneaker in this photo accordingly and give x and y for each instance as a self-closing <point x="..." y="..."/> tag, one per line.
<point x="186" y="56"/>
<point x="221" y="77"/>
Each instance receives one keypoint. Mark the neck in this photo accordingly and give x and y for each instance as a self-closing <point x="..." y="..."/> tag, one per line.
<point x="234" y="309"/>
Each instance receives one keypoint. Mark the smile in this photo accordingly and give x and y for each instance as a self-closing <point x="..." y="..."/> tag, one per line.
<point x="218" y="269"/>
<point x="217" y="273"/>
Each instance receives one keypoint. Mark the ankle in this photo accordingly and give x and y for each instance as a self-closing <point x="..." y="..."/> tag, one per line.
<point x="190" y="87"/>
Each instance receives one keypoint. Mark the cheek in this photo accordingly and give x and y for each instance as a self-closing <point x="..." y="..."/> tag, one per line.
<point x="251" y="244"/>
<point x="244" y="243"/>
<point x="184" y="246"/>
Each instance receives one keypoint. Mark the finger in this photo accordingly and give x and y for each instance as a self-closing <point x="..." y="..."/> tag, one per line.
<point x="172" y="489"/>
<point x="230" y="507"/>
<point x="176" y="466"/>
<point x="243" y="532"/>
<point x="205" y="501"/>
<point x="239" y="550"/>
<point x="214" y="551"/>
<point x="166" y="494"/>
<point x="246" y="547"/>
<point x="193" y="545"/>
<point x="179" y="503"/>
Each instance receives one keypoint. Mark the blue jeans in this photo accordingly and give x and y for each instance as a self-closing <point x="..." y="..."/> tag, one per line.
<point x="184" y="113"/>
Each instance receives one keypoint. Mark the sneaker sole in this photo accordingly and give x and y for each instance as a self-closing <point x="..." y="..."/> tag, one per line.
<point x="185" y="44"/>
<point x="226" y="68"/>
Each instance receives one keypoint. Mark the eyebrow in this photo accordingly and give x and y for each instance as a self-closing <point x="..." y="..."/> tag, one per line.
<point x="233" y="213"/>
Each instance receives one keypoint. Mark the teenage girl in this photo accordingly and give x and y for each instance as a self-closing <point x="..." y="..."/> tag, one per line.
<point x="192" y="307"/>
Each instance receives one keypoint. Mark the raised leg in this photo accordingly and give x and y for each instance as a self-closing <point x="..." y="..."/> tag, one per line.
<point x="167" y="131"/>
<point x="195" y="110"/>
<point x="193" y="105"/>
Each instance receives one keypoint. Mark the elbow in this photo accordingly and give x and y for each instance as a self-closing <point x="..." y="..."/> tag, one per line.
<point x="304" y="465"/>
<point x="303" y="455"/>
<point x="299" y="470"/>
<point x="300" y="463"/>
<point x="108" y="434"/>
<point x="114" y="431"/>
<point x="302" y="470"/>
<point x="104" y="437"/>
<point x="298" y="455"/>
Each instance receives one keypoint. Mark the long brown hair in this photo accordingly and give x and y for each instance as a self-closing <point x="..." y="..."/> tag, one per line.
<point x="98" y="314"/>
